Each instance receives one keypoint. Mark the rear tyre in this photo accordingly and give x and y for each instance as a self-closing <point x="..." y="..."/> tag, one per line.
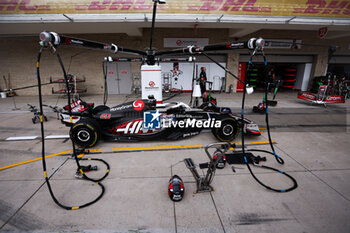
<point x="85" y="133"/>
<point x="228" y="131"/>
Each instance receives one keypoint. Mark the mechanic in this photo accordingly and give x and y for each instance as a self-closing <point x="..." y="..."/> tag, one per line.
<point x="271" y="75"/>
<point x="203" y="79"/>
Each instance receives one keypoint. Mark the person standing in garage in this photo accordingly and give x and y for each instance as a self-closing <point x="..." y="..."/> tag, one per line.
<point x="203" y="79"/>
<point x="271" y="75"/>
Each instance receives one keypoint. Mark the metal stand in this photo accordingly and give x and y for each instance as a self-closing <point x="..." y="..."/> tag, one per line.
<point x="136" y="79"/>
<point x="223" y="85"/>
<point x="36" y="113"/>
<point x="14" y="103"/>
<point x="166" y="82"/>
<point x="203" y="182"/>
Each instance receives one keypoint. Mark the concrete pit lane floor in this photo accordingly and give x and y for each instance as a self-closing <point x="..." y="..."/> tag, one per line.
<point x="312" y="140"/>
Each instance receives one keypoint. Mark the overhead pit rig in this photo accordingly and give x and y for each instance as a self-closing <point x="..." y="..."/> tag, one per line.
<point x="150" y="69"/>
<point x="150" y="58"/>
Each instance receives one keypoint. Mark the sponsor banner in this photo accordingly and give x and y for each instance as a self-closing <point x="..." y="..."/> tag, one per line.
<point x="184" y="42"/>
<point x="316" y="8"/>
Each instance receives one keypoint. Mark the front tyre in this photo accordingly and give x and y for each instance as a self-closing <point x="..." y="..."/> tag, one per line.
<point x="85" y="133"/>
<point x="228" y="131"/>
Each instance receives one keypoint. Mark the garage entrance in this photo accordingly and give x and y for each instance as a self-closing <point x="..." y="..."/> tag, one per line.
<point x="340" y="66"/>
<point x="293" y="71"/>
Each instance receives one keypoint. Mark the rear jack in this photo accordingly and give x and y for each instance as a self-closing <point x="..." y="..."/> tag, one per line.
<point x="203" y="182"/>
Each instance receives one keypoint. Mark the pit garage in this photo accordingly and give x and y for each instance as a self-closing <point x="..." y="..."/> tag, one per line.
<point x="174" y="116"/>
<point x="292" y="71"/>
<point x="176" y="74"/>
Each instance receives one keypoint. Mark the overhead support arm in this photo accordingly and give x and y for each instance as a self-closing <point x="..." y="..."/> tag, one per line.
<point x="141" y="59"/>
<point x="54" y="39"/>
<point x="150" y="56"/>
<point x="124" y="59"/>
<point x="188" y="50"/>
<point x="253" y="43"/>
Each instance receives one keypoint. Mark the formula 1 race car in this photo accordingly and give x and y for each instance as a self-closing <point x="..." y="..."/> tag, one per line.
<point x="145" y="120"/>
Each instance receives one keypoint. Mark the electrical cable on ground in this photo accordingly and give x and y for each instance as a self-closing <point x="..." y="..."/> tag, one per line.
<point x="278" y="158"/>
<point x="74" y="149"/>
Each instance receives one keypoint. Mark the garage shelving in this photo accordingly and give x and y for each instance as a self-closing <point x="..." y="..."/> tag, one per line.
<point x="73" y="85"/>
<point x="289" y="78"/>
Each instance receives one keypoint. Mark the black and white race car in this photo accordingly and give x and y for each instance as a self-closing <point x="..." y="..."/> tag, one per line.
<point x="145" y="120"/>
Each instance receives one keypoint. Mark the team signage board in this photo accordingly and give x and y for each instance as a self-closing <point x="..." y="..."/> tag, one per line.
<point x="151" y="82"/>
<point x="316" y="8"/>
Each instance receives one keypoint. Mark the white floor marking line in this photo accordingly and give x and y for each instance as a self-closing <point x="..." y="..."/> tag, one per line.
<point x="57" y="137"/>
<point x="21" y="138"/>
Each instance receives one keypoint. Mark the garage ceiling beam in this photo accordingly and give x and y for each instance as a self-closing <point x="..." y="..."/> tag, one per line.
<point x="243" y="31"/>
<point x="133" y="24"/>
<point x="336" y="35"/>
<point x="196" y="18"/>
<point x="133" y="31"/>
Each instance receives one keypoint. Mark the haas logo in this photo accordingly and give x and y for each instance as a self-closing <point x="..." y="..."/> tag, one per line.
<point x="138" y="105"/>
<point x="151" y="84"/>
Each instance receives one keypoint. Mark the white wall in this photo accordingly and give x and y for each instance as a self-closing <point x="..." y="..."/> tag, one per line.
<point x="185" y="79"/>
<point x="307" y="75"/>
<point x="303" y="76"/>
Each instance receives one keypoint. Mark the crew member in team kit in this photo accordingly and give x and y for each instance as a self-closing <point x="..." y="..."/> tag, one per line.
<point x="203" y="79"/>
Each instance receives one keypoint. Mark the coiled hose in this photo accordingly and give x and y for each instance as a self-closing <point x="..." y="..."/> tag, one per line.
<point x="98" y="181"/>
